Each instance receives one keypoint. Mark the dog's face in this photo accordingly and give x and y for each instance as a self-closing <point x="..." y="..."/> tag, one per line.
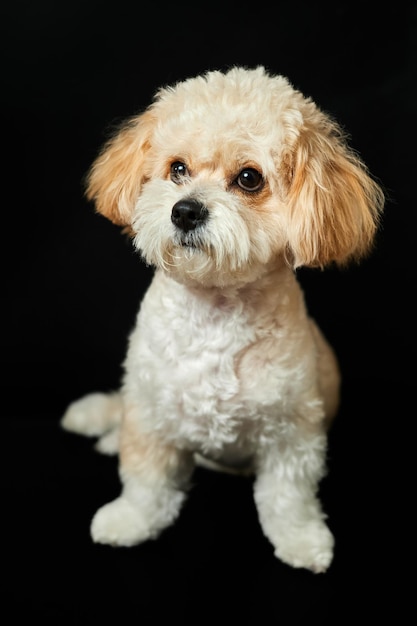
<point x="226" y="175"/>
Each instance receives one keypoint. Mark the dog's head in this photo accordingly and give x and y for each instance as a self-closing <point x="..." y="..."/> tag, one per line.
<point x="229" y="173"/>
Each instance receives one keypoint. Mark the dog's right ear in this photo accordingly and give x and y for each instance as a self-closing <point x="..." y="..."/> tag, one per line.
<point x="115" y="178"/>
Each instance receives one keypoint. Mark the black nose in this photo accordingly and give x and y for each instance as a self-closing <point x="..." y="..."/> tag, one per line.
<point x="188" y="214"/>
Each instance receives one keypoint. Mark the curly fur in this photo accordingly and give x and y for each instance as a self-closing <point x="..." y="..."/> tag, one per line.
<point x="227" y="183"/>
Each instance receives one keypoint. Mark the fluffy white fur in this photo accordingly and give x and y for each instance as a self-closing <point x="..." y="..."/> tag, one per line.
<point x="227" y="183"/>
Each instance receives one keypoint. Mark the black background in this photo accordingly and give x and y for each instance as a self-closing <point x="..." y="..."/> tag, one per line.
<point x="71" y="285"/>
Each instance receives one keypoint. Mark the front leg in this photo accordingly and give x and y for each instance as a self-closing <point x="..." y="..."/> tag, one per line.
<point x="288" y="508"/>
<point x="154" y="480"/>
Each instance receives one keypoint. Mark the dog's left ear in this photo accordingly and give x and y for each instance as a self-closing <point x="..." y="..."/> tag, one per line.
<point x="116" y="176"/>
<point x="334" y="204"/>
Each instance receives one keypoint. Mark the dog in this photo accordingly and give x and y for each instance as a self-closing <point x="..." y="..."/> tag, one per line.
<point x="227" y="183"/>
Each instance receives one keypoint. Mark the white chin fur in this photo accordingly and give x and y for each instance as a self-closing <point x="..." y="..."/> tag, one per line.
<point x="223" y="253"/>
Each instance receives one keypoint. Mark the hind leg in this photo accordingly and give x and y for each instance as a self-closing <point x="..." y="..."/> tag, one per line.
<point x="96" y="415"/>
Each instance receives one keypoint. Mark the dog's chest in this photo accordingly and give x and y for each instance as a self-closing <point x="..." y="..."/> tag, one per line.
<point x="191" y="347"/>
<point x="187" y="361"/>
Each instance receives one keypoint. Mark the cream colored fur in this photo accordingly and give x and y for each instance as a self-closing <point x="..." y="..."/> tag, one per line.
<point x="227" y="183"/>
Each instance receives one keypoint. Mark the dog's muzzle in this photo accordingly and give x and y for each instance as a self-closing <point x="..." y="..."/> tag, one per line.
<point x="188" y="214"/>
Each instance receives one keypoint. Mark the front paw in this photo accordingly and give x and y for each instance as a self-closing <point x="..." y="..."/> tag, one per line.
<point x="120" y="523"/>
<point x="309" y="546"/>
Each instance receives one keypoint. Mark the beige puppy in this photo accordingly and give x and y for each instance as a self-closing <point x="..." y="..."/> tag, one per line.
<point x="227" y="183"/>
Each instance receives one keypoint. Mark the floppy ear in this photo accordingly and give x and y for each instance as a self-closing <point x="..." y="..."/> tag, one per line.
<point x="334" y="204"/>
<point x="115" y="178"/>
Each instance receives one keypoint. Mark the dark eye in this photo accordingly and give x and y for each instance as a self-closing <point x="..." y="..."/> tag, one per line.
<point x="250" y="179"/>
<point x="178" y="172"/>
